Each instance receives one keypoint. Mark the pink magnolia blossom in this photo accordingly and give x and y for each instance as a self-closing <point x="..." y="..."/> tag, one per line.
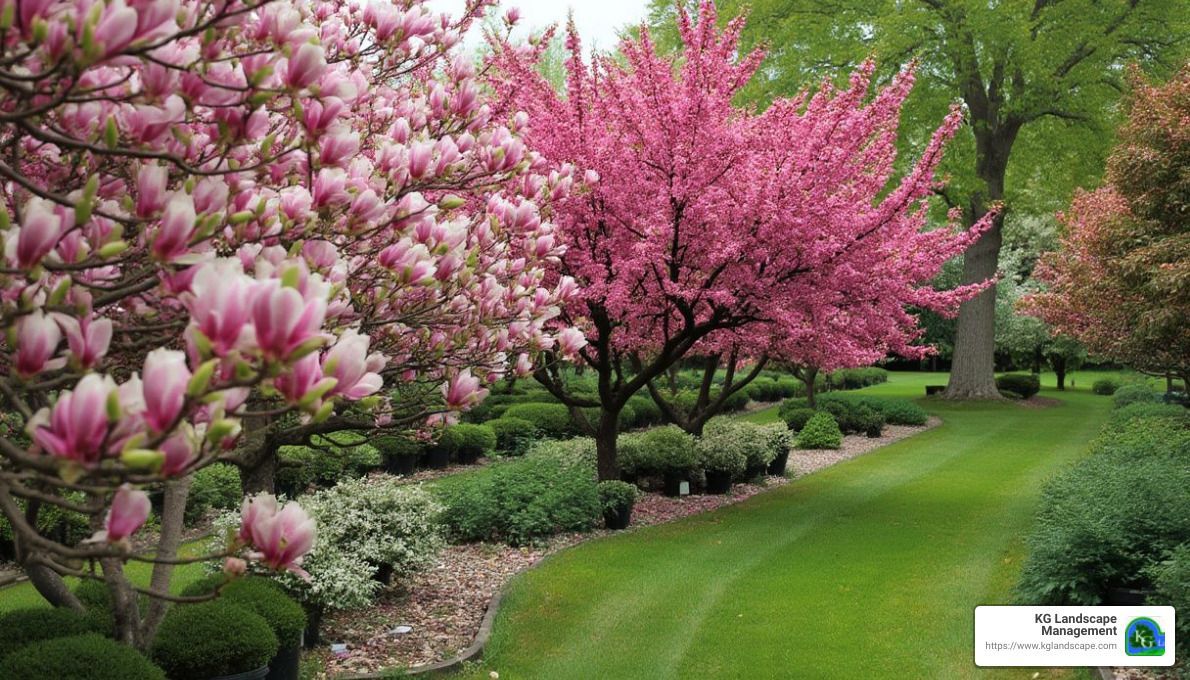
<point x="350" y="364"/>
<point x="76" y="426"/>
<point x="151" y="182"/>
<point x="305" y="66"/>
<point x="219" y="302"/>
<point x="42" y="226"/>
<point x="37" y="342"/>
<point x="129" y="510"/>
<point x="164" y="383"/>
<point x="176" y="229"/>
<point x="284" y="319"/>
<point x="463" y="391"/>
<point x="570" y="341"/>
<point x="279" y="535"/>
<point x="87" y="337"/>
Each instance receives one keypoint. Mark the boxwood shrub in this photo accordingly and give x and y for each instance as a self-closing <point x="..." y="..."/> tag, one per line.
<point x="20" y="627"/>
<point x="616" y="496"/>
<point x="668" y="450"/>
<point x="820" y="432"/>
<point x="1023" y="384"/>
<point x="522" y="500"/>
<point x="717" y="453"/>
<point x="796" y="419"/>
<point x="470" y="440"/>
<point x="200" y="641"/>
<point x="514" y="436"/>
<point x="79" y="657"/>
<point x="551" y="420"/>
<point x="1105" y="386"/>
<point x="646" y="410"/>
<point x="1131" y="394"/>
<point x="895" y="411"/>
<point x="260" y="595"/>
<point x="215" y="486"/>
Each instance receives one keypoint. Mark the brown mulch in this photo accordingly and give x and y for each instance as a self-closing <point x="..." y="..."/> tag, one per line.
<point x="445" y="605"/>
<point x="1145" y="673"/>
<point x="805" y="461"/>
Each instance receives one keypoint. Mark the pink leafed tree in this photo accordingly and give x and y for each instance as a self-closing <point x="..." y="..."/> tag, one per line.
<point x="229" y="226"/>
<point x="699" y="225"/>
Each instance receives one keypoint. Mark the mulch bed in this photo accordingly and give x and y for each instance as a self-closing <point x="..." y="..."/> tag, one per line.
<point x="444" y="606"/>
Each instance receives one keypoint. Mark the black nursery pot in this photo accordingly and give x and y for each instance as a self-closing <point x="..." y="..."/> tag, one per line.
<point x="287" y="664"/>
<point x="468" y="458"/>
<point x="401" y="465"/>
<point x="311" y="636"/>
<point x="718" y="482"/>
<point x="777" y="467"/>
<point x="673" y="484"/>
<point x="384" y="574"/>
<point x="258" y="674"/>
<point x="437" y="459"/>
<point x="755" y="471"/>
<point x="617" y="519"/>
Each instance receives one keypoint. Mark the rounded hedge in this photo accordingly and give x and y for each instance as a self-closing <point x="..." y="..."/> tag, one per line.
<point x="261" y="595"/>
<point x="1019" y="383"/>
<point x="796" y="419"/>
<point x="21" y="627"/>
<point x="717" y="454"/>
<point x="214" y="638"/>
<point x="820" y="432"/>
<point x="1132" y="394"/>
<point x="669" y="450"/>
<point x="1105" y="386"/>
<point x="471" y="440"/>
<point x="552" y="420"/>
<point x="391" y="446"/>
<point x="80" y="657"/>
<point x="647" y="411"/>
<point x="215" y="486"/>
<point x="513" y="435"/>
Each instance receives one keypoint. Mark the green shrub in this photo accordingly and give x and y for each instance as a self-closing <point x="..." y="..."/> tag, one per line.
<point x="1149" y="410"/>
<point x="1141" y="437"/>
<point x="858" y="378"/>
<point x="796" y="419"/>
<point x="263" y="596"/>
<point x="199" y="641"/>
<point x="616" y="496"/>
<point x="97" y="600"/>
<point x="1020" y="383"/>
<point x="20" y="627"/>
<point x="514" y="436"/>
<point x="1172" y="581"/>
<point x="576" y="452"/>
<point x="551" y="420"/>
<point x="1102" y="524"/>
<point x="394" y="446"/>
<point x="79" y="657"/>
<point x="899" y="411"/>
<point x="1132" y="394"/>
<point x="764" y="390"/>
<point x="820" y="432"/>
<point x="668" y="450"/>
<point x="646" y="410"/>
<point x="522" y="500"/>
<point x="630" y="455"/>
<point x="1105" y="386"/>
<point x="717" y="453"/>
<point x="851" y="415"/>
<point x="215" y="486"/>
<point x="789" y="406"/>
<point x="471" y="440"/>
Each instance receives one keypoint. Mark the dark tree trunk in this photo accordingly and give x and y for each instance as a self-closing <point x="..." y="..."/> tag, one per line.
<point x="1037" y="358"/>
<point x="809" y="376"/>
<point x="1058" y="362"/>
<point x="50" y="585"/>
<point x="972" y="372"/>
<point x="259" y="474"/>
<point x="605" y="444"/>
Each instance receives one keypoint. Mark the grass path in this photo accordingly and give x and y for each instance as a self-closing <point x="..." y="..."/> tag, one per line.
<point x="867" y="569"/>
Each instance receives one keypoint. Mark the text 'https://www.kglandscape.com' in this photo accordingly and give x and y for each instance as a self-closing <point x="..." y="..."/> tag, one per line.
<point x="1074" y="636"/>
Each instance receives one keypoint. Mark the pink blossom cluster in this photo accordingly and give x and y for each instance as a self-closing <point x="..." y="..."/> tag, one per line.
<point x="700" y="225"/>
<point x="229" y="209"/>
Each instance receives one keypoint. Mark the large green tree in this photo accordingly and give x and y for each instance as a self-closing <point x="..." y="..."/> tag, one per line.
<point x="1039" y="78"/>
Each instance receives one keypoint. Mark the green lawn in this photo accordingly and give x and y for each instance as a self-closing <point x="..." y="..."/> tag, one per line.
<point x="867" y="569"/>
<point x="24" y="595"/>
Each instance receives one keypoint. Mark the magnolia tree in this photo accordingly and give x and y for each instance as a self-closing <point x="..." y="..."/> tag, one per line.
<point x="230" y="224"/>
<point x="701" y="226"/>
<point x="1120" y="281"/>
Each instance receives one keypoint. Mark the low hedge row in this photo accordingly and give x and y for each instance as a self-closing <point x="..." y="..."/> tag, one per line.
<point x="1114" y="518"/>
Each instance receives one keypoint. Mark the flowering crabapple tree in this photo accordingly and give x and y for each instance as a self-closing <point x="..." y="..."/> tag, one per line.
<point x="1120" y="279"/>
<point x="228" y="226"/>
<point x="701" y="227"/>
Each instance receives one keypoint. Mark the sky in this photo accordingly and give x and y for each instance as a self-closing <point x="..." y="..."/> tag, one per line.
<point x="598" y="20"/>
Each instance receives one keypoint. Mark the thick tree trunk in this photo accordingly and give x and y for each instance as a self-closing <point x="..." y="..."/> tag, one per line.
<point x="50" y="585"/>
<point x="259" y="474"/>
<point x="809" y="375"/>
<point x="605" y="444"/>
<point x="1059" y="364"/>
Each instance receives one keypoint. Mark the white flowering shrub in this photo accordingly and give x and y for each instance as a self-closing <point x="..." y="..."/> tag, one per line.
<point x="362" y="525"/>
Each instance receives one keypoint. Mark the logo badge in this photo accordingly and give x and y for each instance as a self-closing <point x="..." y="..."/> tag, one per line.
<point x="1143" y="637"/>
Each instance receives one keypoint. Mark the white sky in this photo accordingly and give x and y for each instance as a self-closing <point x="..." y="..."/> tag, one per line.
<point x="598" y="20"/>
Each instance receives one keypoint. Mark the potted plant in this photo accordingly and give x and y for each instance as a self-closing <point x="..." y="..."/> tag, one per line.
<point x="88" y="655"/>
<point x="471" y="441"/>
<point x="437" y="455"/>
<point x="267" y="599"/>
<point x="616" y="498"/>
<point x="399" y="454"/>
<point x="780" y="440"/>
<point x="216" y="640"/>
<point x="673" y="453"/>
<point x="721" y="460"/>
